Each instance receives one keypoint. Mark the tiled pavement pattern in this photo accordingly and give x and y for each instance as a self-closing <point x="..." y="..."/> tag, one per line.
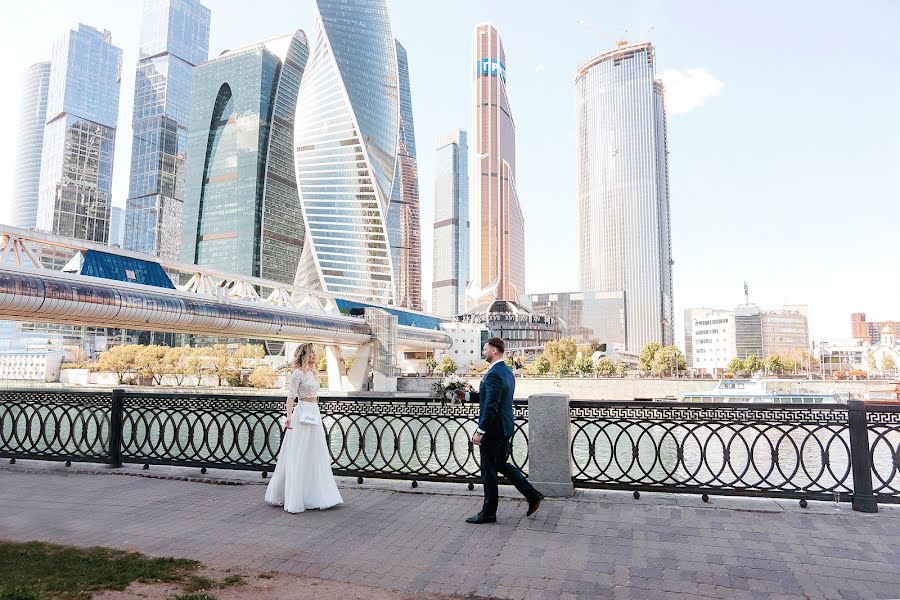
<point x="597" y="545"/>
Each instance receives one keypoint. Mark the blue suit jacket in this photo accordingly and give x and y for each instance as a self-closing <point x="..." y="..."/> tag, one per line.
<point x="495" y="398"/>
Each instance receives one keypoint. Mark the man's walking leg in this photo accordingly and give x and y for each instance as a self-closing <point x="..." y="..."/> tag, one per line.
<point x="489" y="478"/>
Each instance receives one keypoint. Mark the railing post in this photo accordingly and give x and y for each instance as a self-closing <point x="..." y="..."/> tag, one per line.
<point x="860" y="458"/>
<point x="549" y="444"/>
<point x="114" y="451"/>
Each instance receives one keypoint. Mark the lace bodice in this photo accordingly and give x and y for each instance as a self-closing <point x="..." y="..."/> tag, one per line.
<point x="303" y="384"/>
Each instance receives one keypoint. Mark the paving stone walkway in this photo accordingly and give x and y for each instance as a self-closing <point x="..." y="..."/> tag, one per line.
<point x="596" y="545"/>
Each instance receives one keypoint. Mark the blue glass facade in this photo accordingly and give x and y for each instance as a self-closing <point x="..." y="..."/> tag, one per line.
<point x="410" y="319"/>
<point x="174" y="38"/>
<point x="346" y="132"/>
<point x="623" y="189"/>
<point x="79" y="138"/>
<point x="241" y="201"/>
<point x="120" y="268"/>
<point x="404" y="229"/>
<point x="27" y="177"/>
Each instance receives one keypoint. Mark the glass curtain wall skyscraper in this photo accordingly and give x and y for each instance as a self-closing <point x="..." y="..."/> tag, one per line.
<point x="241" y="210"/>
<point x="32" y="119"/>
<point x="451" y="226"/>
<point x="403" y="213"/>
<point x="79" y="139"/>
<point x="347" y="128"/>
<point x="623" y="189"/>
<point x="498" y="252"/>
<point x="174" y="38"/>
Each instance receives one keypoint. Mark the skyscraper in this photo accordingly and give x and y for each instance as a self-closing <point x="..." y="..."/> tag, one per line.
<point x="174" y="38"/>
<point x="623" y="189"/>
<point x="241" y="208"/>
<point x="451" y="226"/>
<point x="32" y="120"/>
<point x="403" y="213"/>
<point x="80" y="135"/>
<point x="498" y="252"/>
<point x="116" y="226"/>
<point x="346" y="136"/>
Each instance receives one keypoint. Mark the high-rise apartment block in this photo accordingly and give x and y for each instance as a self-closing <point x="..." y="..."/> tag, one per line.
<point x="870" y="331"/>
<point x="74" y="198"/>
<point x="32" y="120"/>
<point x="242" y="210"/>
<point x="451" y="226"/>
<point x="404" y="228"/>
<point x="623" y="189"/>
<point x="174" y="39"/>
<point x="498" y="224"/>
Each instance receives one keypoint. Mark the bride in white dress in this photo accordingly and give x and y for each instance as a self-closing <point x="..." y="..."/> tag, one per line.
<point x="303" y="477"/>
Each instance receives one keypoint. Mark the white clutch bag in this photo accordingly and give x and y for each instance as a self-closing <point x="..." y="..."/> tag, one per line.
<point x="308" y="413"/>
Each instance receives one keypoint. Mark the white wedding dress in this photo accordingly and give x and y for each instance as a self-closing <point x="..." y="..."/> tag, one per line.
<point x="303" y="477"/>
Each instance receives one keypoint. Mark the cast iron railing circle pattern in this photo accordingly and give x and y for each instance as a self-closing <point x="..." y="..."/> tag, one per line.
<point x="778" y="451"/>
<point x="726" y="449"/>
<point x="884" y="443"/>
<point x="54" y="425"/>
<point x="411" y="439"/>
<point x="407" y="439"/>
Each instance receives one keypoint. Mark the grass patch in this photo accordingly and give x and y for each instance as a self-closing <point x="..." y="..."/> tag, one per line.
<point x="265" y="576"/>
<point x="39" y="571"/>
<point x="194" y="596"/>
<point x="232" y="580"/>
<point x="199" y="584"/>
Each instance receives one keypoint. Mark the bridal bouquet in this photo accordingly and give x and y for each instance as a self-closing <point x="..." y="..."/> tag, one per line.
<point x="446" y="388"/>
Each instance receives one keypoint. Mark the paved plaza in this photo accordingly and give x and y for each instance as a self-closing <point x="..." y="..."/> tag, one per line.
<point x="388" y="535"/>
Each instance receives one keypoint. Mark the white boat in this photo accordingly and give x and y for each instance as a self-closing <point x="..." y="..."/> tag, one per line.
<point x="750" y="391"/>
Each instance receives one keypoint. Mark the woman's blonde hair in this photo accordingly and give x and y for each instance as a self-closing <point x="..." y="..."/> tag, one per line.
<point x="301" y="357"/>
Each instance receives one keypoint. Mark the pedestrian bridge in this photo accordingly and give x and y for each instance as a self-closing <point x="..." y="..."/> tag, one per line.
<point x="187" y="298"/>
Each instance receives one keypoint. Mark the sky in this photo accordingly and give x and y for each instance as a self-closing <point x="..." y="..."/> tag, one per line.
<point x="783" y="129"/>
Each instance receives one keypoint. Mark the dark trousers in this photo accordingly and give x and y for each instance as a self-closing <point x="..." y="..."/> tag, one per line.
<point x="495" y="449"/>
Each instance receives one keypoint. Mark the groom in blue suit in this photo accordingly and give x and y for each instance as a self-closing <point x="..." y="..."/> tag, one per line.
<point x="493" y="437"/>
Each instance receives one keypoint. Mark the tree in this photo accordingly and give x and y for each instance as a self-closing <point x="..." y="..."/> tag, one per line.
<point x="176" y="362"/>
<point x="791" y="365"/>
<point x="645" y="361"/>
<point x="667" y="361"/>
<point x="561" y="350"/>
<point x="621" y="370"/>
<point x="774" y="364"/>
<point x="119" y="360"/>
<point x="870" y="361"/>
<point x="887" y="363"/>
<point x="584" y="366"/>
<point x="565" y="367"/>
<point x="447" y="365"/>
<point x="223" y="362"/>
<point x="753" y="364"/>
<point x="430" y="364"/>
<point x="541" y="365"/>
<point x="262" y="377"/>
<point x="605" y="367"/>
<point x="251" y="351"/>
<point x="194" y="363"/>
<point x="510" y="361"/>
<point x="321" y="361"/>
<point x="150" y="361"/>
<point x="736" y="366"/>
<point x="348" y="363"/>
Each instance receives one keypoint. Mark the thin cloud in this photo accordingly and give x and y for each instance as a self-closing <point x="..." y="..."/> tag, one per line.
<point x="540" y="68"/>
<point x="688" y="90"/>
